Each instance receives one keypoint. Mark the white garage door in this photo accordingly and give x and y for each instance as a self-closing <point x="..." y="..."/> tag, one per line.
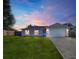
<point x="57" y="32"/>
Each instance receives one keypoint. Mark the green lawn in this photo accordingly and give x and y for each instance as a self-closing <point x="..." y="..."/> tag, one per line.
<point x="29" y="48"/>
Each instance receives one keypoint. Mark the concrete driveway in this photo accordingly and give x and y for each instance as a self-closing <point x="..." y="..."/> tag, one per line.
<point x="66" y="46"/>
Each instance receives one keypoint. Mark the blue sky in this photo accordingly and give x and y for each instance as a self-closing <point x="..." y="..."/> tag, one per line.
<point x="43" y="12"/>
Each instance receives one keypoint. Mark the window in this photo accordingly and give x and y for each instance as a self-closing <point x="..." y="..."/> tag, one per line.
<point x="36" y="32"/>
<point x="27" y="32"/>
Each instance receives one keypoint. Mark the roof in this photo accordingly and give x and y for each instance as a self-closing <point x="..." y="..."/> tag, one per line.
<point x="58" y="25"/>
<point x="10" y="29"/>
<point x="35" y="27"/>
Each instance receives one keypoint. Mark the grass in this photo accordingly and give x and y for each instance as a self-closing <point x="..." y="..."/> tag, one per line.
<point x="29" y="48"/>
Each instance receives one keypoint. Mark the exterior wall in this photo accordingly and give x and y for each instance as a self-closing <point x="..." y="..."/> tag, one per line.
<point x="23" y="33"/>
<point x="47" y="33"/>
<point x="34" y="32"/>
<point x="4" y="33"/>
<point x="57" y="32"/>
<point x="31" y="32"/>
<point x="42" y="32"/>
<point x="8" y="33"/>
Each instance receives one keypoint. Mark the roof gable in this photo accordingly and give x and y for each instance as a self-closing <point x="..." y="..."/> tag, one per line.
<point x="57" y="25"/>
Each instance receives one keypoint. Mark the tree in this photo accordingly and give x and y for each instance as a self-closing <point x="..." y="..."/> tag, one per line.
<point x="8" y="19"/>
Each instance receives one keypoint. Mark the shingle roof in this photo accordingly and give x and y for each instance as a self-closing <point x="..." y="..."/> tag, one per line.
<point x="57" y="25"/>
<point x="10" y="29"/>
<point x="34" y="27"/>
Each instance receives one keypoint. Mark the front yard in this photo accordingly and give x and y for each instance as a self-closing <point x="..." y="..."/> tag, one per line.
<point x="29" y="48"/>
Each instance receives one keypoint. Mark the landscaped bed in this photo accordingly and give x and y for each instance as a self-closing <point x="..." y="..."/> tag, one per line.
<point x="29" y="48"/>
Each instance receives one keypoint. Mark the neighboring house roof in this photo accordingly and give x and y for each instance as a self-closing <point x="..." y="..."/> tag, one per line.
<point x="10" y="29"/>
<point x="57" y="25"/>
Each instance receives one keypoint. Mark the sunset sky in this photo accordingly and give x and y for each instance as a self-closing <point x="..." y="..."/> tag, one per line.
<point x="43" y="12"/>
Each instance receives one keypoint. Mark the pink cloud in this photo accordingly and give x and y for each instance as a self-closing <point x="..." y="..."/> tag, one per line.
<point x="36" y="18"/>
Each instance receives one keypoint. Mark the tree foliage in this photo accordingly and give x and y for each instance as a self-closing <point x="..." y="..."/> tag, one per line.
<point x="8" y="19"/>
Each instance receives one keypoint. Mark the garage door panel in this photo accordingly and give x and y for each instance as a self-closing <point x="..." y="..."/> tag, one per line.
<point x="57" y="32"/>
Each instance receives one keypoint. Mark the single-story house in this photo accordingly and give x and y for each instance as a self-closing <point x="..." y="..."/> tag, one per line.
<point x="72" y="32"/>
<point x="9" y="32"/>
<point x="54" y="30"/>
<point x="72" y="29"/>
